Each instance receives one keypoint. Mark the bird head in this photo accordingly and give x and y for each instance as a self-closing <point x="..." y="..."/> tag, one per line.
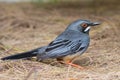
<point x="82" y="26"/>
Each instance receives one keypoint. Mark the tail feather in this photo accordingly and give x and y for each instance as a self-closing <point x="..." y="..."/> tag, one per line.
<point x="21" y="55"/>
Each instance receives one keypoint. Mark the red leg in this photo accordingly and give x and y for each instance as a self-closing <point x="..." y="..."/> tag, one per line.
<point x="75" y="65"/>
<point x="72" y="64"/>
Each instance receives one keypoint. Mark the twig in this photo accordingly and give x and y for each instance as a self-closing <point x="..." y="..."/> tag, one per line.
<point x="31" y="71"/>
<point x="7" y="51"/>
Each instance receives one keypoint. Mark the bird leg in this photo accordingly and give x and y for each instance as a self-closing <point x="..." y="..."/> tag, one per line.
<point x="75" y="65"/>
<point x="72" y="64"/>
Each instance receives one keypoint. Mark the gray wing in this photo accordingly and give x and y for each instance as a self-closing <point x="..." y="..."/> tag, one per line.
<point x="61" y="48"/>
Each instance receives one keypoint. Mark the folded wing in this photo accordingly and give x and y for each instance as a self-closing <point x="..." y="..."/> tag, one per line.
<point x="61" y="48"/>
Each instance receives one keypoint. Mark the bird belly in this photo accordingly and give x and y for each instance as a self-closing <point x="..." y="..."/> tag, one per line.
<point x="70" y="58"/>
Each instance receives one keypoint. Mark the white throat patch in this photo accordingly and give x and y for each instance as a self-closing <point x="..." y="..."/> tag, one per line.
<point x="88" y="28"/>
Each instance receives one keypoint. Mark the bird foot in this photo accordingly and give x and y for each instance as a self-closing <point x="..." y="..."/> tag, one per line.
<point x="75" y="65"/>
<point x="72" y="64"/>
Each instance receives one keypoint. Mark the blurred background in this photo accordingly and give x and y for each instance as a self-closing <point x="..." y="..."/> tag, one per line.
<point x="29" y="24"/>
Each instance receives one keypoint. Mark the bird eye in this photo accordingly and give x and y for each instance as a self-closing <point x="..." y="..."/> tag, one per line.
<point x="84" y="25"/>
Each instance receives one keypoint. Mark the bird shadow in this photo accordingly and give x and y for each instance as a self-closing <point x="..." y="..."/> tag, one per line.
<point x="86" y="61"/>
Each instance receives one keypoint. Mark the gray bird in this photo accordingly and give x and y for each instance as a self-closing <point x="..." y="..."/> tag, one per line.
<point x="70" y="44"/>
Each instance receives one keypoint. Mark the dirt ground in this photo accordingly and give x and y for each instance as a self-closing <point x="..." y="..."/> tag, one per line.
<point x="24" y="27"/>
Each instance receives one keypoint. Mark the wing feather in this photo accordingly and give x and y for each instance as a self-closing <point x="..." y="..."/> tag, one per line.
<point x="56" y="44"/>
<point x="62" y="48"/>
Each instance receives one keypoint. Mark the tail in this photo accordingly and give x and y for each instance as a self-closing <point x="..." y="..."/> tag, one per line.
<point x="22" y="55"/>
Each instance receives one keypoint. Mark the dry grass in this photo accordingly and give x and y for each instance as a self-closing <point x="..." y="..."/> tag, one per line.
<point x="24" y="27"/>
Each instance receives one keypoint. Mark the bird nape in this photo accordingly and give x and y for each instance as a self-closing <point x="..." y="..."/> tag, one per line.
<point x="70" y="44"/>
